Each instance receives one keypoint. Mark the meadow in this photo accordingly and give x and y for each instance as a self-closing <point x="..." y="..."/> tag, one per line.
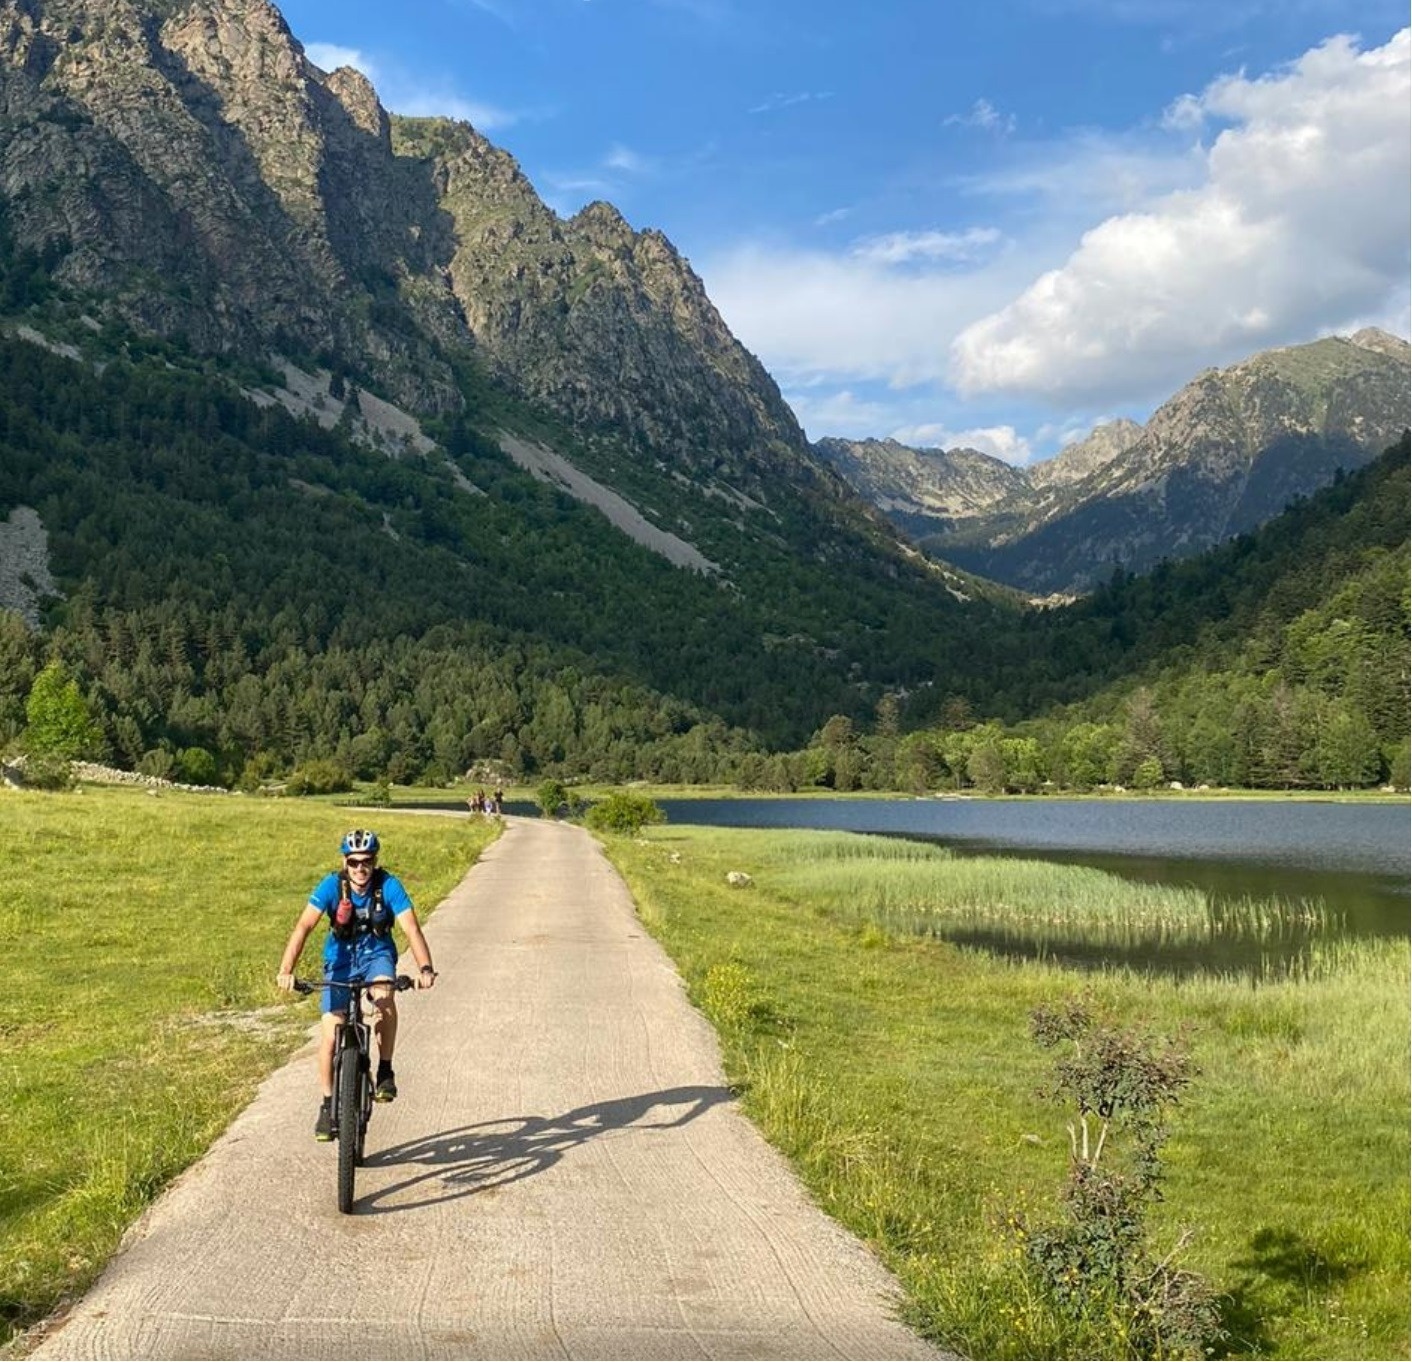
<point x="140" y="1012"/>
<point x="897" y="1071"/>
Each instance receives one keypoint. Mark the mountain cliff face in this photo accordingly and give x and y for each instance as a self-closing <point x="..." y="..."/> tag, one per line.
<point x="1225" y="454"/>
<point x="186" y="165"/>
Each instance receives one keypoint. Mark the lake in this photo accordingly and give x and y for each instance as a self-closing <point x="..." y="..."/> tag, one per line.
<point x="1353" y="857"/>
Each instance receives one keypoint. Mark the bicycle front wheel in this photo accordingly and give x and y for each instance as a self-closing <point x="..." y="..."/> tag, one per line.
<point x="349" y="1136"/>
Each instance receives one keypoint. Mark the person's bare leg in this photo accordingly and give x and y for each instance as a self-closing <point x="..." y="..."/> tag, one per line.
<point x="331" y="1023"/>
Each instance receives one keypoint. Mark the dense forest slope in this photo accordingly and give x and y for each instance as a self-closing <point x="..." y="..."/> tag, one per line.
<point x="1278" y="660"/>
<point x="235" y="578"/>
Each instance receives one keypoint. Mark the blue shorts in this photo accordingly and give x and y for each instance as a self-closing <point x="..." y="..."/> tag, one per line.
<point x="367" y="957"/>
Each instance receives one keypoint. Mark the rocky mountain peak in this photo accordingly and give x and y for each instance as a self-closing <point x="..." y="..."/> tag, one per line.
<point x="902" y="481"/>
<point x="604" y="223"/>
<point x="1076" y="461"/>
<point x="237" y="43"/>
<point x="1222" y="455"/>
<point x="355" y="92"/>
<point x="210" y="183"/>
<point x="1394" y="347"/>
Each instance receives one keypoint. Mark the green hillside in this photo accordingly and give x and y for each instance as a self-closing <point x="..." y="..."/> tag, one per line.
<point x="245" y="592"/>
<point x="1279" y="660"/>
<point x="245" y="583"/>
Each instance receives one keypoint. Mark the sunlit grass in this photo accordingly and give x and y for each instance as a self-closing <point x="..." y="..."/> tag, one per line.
<point x="143" y="1013"/>
<point x="896" y="1071"/>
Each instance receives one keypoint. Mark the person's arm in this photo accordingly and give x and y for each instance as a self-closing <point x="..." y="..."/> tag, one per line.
<point x="308" y="920"/>
<point x="421" y="952"/>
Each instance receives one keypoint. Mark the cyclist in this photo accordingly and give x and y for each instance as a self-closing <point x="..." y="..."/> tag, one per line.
<point x="361" y="902"/>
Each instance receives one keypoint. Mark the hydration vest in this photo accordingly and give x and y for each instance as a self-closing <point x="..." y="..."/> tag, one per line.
<point x="347" y="921"/>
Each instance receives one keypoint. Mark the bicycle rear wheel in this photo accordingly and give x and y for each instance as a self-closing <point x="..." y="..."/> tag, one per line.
<point x="349" y="1136"/>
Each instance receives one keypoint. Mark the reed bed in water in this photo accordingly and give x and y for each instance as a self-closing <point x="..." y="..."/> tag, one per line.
<point x="923" y="889"/>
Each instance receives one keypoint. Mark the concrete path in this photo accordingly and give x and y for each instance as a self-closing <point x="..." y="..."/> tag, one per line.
<point x="564" y="1175"/>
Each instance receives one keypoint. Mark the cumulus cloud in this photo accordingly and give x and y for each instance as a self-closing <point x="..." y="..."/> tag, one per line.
<point x="1001" y="442"/>
<point x="329" y="57"/>
<point x="850" y="317"/>
<point x="1301" y="222"/>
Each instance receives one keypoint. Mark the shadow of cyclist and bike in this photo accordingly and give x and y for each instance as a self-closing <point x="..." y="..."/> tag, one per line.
<point x="491" y="1154"/>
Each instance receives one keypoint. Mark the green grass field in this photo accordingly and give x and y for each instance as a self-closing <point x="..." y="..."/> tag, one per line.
<point x="896" y="1072"/>
<point x="899" y="1076"/>
<point x="140" y="1012"/>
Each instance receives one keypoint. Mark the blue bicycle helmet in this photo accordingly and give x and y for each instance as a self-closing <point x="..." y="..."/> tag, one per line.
<point x="359" y="843"/>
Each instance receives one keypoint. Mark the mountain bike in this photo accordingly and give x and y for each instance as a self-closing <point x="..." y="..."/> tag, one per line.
<point x="352" y="1076"/>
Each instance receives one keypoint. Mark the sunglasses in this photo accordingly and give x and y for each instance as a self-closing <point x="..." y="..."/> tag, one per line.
<point x="361" y="862"/>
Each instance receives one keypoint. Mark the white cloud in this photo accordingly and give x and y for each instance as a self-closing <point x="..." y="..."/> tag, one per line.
<point x="1301" y="222"/>
<point x="329" y="57"/>
<point x="408" y="96"/>
<point x="982" y="114"/>
<point x="841" y="412"/>
<point x="624" y="158"/>
<point x="1001" y="442"/>
<point x="900" y="248"/>
<point x="811" y="314"/>
<point x="783" y="101"/>
<point x="426" y="104"/>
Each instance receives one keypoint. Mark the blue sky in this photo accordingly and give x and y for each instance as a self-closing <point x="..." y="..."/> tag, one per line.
<point x="991" y="223"/>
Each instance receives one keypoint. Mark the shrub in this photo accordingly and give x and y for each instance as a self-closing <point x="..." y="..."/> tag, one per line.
<point x="157" y="762"/>
<point x="48" y="773"/>
<point x="1095" y="1265"/>
<point x="319" y="777"/>
<point x="196" y="766"/>
<point x="551" y="797"/>
<point x="623" y="811"/>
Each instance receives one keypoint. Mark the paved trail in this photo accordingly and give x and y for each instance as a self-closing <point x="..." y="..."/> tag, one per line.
<point x="564" y="1175"/>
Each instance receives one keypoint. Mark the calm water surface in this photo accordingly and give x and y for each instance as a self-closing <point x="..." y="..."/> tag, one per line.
<point x="1352" y="857"/>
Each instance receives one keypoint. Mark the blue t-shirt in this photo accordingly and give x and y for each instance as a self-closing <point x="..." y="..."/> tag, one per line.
<point x="326" y="894"/>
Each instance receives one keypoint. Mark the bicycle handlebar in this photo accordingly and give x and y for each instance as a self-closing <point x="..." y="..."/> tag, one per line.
<point x="306" y="986"/>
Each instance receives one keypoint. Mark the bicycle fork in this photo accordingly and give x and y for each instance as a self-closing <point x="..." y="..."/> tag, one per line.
<point x="351" y="1046"/>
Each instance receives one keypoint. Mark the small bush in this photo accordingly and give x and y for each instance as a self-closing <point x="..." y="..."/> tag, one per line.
<point x="195" y="766"/>
<point x="319" y="777"/>
<point x="623" y="811"/>
<point x="158" y="763"/>
<point x="1095" y="1265"/>
<point x="48" y="773"/>
<point x="551" y="797"/>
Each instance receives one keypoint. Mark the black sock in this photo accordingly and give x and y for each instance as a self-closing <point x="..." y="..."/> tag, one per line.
<point x="384" y="1068"/>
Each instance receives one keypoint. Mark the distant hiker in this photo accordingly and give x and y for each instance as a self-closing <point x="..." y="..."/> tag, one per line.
<point x="499" y="798"/>
<point x="361" y="901"/>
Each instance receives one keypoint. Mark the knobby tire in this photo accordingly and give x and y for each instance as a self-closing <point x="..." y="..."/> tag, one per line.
<point x="349" y="1123"/>
<point x="365" y="1109"/>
